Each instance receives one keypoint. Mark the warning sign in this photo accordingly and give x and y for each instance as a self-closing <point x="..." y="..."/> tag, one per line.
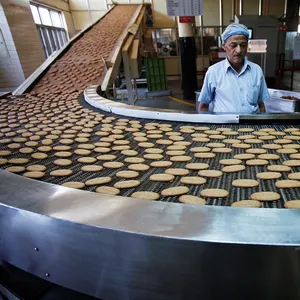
<point x="185" y="7"/>
<point x="186" y="19"/>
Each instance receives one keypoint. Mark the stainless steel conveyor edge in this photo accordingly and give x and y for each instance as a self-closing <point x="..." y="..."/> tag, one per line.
<point x="104" y="246"/>
<point x="94" y="99"/>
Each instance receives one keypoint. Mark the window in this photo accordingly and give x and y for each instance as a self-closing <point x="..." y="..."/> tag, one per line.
<point x="45" y="16"/>
<point x="56" y="20"/>
<point x="35" y="14"/>
<point x="50" y="24"/>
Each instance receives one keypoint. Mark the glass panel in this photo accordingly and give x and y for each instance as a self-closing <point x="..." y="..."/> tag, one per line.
<point x="45" y="16"/>
<point x="64" y="35"/>
<point x="61" y="42"/>
<point x="56" y="21"/>
<point x="166" y="42"/>
<point x="35" y="14"/>
<point x="49" y="39"/>
<point x="45" y="41"/>
<point x="54" y="34"/>
<point x="211" y="39"/>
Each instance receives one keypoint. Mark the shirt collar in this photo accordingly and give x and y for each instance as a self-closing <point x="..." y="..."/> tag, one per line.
<point x="244" y="68"/>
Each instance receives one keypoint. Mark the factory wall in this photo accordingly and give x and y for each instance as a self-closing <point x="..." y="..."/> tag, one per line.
<point x="25" y="40"/>
<point x="85" y="12"/>
<point x="11" y="73"/>
<point x="64" y="7"/>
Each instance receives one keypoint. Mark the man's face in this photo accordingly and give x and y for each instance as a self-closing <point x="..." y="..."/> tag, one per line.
<point x="236" y="48"/>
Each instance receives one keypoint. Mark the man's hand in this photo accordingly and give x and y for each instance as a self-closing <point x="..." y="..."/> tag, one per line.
<point x="203" y="107"/>
<point x="262" y="107"/>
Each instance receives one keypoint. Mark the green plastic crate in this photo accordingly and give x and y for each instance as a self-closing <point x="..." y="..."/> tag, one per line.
<point x="156" y="74"/>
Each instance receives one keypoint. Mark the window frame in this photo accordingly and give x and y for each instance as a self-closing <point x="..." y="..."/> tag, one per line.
<point x="53" y="38"/>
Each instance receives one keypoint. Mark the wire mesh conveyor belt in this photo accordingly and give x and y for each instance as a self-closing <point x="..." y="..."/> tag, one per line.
<point x="50" y="118"/>
<point x="74" y="127"/>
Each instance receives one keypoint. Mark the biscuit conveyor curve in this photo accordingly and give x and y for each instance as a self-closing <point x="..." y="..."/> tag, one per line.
<point x="115" y="247"/>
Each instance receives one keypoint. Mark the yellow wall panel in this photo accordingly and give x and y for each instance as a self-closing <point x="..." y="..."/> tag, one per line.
<point x="227" y="12"/>
<point x="276" y="8"/>
<point x="161" y="17"/>
<point x="78" y="4"/>
<point x="97" y="4"/>
<point x="97" y="15"/>
<point x="172" y="65"/>
<point x="81" y="19"/>
<point x="251" y="7"/>
<point x="211" y="13"/>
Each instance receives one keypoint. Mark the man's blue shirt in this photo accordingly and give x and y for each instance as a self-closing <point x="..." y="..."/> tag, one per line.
<point x="227" y="91"/>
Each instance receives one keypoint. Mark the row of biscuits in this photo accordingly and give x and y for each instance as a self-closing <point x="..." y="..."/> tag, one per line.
<point x="113" y="134"/>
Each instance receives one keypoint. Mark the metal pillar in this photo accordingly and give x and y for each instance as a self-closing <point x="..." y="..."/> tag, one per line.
<point x="188" y="60"/>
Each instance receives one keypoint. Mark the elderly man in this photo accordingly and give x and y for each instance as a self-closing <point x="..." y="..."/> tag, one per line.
<point x="234" y="85"/>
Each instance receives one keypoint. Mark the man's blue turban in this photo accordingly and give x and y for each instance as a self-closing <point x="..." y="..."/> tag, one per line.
<point x="235" y="29"/>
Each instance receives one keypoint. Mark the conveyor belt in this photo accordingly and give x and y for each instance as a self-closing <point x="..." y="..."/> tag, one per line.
<point x="146" y="185"/>
<point x="124" y="248"/>
<point x="54" y="102"/>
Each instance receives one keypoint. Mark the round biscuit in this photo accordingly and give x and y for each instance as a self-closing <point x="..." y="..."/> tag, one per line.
<point x="127" y="184"/>
<point x="292" y="204"/>
<point x="193" y="180"/>
<point x="162" y="177"/>
<point x="127" y="174"/>
<point x="92" y="168"/>
<point x="61" y="172"/>
<point x="278" y="168"/>
<point x="62" y="162"/>
<point x="161" y="164"/>
<point x="214" y="193"/>
<point x="233" y="168"/>
<point x="113" y="164"/>
<point x="98" y="181"/>
<point x="257" y="162"/>
<point x="268" y="175"/>
<point x="109" y="190"/>
<point x="247" y="204"/>
<point x="175" y="191"/>
<point x="190" y="199"/>
<point x="204" y="155"/>
<point x="139" y="167"/>
<point x="287" y="184"/>
<point x="210" y="173"/>
<point x="145" y="195"/>
<point x="15" y="169"/>
<point x="229" y="162"/>
<point x="245" y="183"/>
<point x="182" y="158"/>
<point x="177" y="171"/>
<point x="265" y="196"/>
<point x="74" y="184"/>
<point x="197" y="166"/>
<point x="34" y="174"/>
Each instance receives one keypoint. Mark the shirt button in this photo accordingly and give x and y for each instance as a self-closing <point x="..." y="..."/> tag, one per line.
<point x="241" y="89"/>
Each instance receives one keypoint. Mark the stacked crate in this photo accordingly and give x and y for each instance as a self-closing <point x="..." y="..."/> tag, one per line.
<point x="156" y="74"/>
